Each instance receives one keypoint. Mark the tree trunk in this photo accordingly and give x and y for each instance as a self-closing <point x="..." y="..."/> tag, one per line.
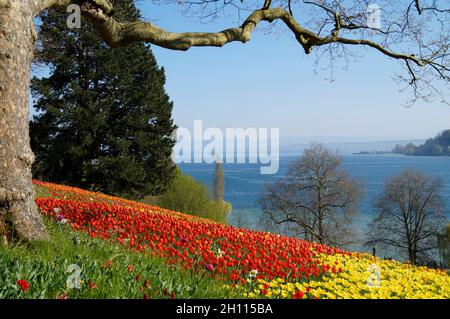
<point x="19" y="217"/>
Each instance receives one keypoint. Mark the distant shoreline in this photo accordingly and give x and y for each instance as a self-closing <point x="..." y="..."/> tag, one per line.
<point x="394" y="153"/>
<point x="374" y="153"/>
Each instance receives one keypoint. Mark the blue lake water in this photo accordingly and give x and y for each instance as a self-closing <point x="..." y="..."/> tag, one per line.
<point x="244" y="184"/>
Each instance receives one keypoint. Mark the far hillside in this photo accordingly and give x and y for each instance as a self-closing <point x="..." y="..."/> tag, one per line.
<point x="437" y="146"/>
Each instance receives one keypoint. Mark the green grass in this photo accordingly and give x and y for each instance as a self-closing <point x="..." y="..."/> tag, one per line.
<point x="41" y="192"/>
<point x="45" y="266"/>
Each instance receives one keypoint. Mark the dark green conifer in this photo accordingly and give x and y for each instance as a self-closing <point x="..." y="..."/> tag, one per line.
<point x="104" y="121"/>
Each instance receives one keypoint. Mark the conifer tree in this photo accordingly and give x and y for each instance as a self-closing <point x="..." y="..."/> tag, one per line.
<point x="104" y="121"/>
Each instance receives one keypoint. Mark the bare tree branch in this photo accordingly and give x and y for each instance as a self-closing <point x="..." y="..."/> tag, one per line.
<point x="424" y="54"/>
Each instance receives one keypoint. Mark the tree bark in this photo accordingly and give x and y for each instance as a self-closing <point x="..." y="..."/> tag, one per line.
<point x="19" y="217"/>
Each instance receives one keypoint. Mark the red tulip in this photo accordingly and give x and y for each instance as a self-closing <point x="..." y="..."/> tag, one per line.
<point x="162" y="233"/>
<point x="298" y="295"/>
<point x="24" y="285"/>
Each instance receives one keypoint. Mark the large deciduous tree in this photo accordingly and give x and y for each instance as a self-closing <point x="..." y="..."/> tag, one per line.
<point x="413" y="32"/>
<point x="410" y="216"/>
<point x="316" y="199"/>
<point x="104" y="120"/>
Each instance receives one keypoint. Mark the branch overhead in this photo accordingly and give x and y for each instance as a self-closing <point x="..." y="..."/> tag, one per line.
<point x="325" y="23"/>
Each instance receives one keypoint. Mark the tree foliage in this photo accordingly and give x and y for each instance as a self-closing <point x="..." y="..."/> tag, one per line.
<point x="437" y="146"/>
<point x="104" y="120"/>
<point x="189" y="196"/>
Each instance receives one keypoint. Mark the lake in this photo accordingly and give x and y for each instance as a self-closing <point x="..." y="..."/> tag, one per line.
<point x="244" y="183"/>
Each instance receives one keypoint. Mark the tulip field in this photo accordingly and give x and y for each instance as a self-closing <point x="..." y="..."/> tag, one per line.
<point x="240" y="263"/>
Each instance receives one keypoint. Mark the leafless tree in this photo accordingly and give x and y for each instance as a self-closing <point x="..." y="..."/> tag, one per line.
<point x="316" y="199"/>
<point x="410" y="216"/>
<point x="238" y="218"/>
<point x="415" y="33"/>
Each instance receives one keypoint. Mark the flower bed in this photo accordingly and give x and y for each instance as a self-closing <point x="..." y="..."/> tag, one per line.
<point x="257" y="263"/>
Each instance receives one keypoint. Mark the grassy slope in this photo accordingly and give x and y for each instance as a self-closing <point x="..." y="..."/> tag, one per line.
<point x="44" y="266"/>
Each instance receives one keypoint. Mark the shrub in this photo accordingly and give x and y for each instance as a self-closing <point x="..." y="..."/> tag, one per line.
<point x="189" y="196"/>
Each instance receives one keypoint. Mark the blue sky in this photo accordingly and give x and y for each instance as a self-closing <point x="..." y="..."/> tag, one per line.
<point x="269" y="82"/>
